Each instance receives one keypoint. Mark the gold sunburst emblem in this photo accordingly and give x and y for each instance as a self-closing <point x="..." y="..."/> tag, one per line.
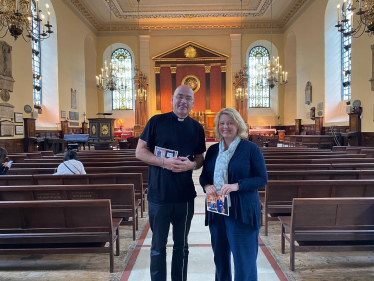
<point x="104" y="130"/>
<point x="190" y="52"/>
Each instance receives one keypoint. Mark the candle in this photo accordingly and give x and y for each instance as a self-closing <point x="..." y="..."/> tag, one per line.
<point x="49" y="17"/>
<point x="37" y="8"/>
<point x="105" y="64"/>
<point x="47" y="7"/>
<point x="286" y="76"/>
<point x="338" y="13"/>
<point x="97" y="80"/>
<point x="102" y="72"/>
<point x="17" y="5"/>
<point x="360" y="5"/>
<point x="43" y="22"/>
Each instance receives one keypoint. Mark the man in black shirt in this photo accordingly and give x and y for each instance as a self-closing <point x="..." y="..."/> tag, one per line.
<point x="171" y="190"/>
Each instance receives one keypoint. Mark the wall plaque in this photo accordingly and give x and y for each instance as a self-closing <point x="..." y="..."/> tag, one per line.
<point x="6" y="110"/>
<point x="6" y="129"/>
<point x="308" y="93"/>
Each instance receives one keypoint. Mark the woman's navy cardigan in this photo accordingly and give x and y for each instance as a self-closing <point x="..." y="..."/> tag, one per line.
<point x="247" y="168"/>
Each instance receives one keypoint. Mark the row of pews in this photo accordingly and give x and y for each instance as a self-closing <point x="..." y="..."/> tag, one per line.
<point x="324" y="199"/>
<point x="42" y="213"/>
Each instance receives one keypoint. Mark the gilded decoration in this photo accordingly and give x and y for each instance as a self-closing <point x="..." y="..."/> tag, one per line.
<point x="157" y="70"/>
<point x="190" y="52"/>
<point x="223" y="68"/>
<point x="192" y="81"/>
<point x="207" y="68"/>
<point x="173" y="69"/>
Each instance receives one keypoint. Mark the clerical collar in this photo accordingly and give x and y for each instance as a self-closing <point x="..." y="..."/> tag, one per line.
<point x="179" y="119"/>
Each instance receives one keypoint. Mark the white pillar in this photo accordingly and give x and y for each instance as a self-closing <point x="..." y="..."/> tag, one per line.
<point x="144" y="54"/>
<point x="236" y="53"/>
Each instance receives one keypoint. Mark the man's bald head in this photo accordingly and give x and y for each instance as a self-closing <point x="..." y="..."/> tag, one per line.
<point x="182" y="101"/>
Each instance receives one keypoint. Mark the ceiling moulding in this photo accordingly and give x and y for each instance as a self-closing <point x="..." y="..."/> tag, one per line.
<point x="254" y="25"/>
<point x="83" y="9"/>
<point x="184" y="12"/>
<point x="99" y="26"/>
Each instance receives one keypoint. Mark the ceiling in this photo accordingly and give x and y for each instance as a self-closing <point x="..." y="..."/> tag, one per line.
<point x="187" y="14"/>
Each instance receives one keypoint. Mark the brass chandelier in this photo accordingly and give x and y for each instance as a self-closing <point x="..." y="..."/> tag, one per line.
<point x="18" y="17"/>
<point x="365" y="22"/>
<point x="140" y="79"/>
<point x="273" y="73"/>
<point x="112" y="78"/>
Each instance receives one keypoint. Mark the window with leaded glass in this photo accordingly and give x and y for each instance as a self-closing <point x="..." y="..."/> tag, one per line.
<point x="36" y="58"/>
<point x="346" y="58"/>
<point x="258" y="88"/>
<point x="122" y="98"/>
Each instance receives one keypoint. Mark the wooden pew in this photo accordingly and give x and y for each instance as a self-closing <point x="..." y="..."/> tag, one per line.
<point x="87" y="164"/>
<point x="121" y="196"/>
<point x="313" y="156"/>
<point x="279" y="193"/>
<point x="62" y="227"/>
<point x="318" y="161"/>
<point x="328" y="166"/>
<point x="328" y="224"/>
<point x="108" y="178"/>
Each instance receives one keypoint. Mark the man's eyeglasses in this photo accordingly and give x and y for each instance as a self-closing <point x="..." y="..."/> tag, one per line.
<point x="188" y="99"/>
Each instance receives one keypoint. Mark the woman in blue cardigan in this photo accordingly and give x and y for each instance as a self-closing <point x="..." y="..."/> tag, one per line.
<point x="236" y="167"/>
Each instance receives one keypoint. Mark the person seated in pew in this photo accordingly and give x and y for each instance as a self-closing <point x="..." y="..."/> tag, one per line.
<point x="4" y="167"/>
<point x="71" y="165"/>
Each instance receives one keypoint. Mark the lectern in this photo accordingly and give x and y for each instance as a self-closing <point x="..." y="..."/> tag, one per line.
<point x="101" y="132"/>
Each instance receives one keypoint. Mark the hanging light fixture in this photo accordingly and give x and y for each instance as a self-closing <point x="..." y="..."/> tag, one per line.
<point x="112" y="78"/>
<point x="140" y="79"/>
<point x="241" y="77"/>
<point x="365" y="23"/>
<point x="18" y="17"/>
<point x="273" y="72"/>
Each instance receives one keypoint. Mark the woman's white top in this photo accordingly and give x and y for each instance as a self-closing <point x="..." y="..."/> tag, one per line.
<point x="70" y="167"/>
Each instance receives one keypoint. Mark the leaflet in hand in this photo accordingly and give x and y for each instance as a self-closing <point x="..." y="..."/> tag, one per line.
<point x="165" y="153"/>
<point x="218" y="204"/>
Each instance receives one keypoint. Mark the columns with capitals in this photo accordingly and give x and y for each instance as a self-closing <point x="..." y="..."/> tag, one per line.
<point x="173" y="70"/>
<point x="223" y="86"/>
<point x="207" y="87"/>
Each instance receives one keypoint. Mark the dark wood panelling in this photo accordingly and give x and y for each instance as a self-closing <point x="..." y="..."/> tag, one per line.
<point x="367" y="138"/>
<point x="12" y="145"/>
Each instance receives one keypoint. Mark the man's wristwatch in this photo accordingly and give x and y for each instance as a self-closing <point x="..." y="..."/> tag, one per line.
<point x="194" y="168"/>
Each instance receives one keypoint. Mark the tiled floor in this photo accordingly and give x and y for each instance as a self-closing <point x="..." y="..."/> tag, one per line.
<point x="201" y="264"/>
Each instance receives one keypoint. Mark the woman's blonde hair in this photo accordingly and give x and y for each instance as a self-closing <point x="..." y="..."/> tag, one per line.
<point x="242" y="132"/>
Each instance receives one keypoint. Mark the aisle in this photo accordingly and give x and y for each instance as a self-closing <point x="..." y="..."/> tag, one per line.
<point x="201" y="265"/>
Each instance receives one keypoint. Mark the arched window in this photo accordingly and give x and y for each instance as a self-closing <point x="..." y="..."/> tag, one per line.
<point x="258" y="88"/>
<point x="346" y="58"/>
<point x="36" y="58"/>
<point x="123" y="97"/>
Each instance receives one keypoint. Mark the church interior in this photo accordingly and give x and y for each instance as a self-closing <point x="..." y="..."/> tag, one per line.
<point x="88" y="75"/>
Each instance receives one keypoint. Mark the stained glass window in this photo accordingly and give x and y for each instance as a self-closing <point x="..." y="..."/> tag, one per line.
<point x="36" y="59"/>
<point x="258" y="88"/>
<point x="346" y="59"/>
<point x="123" y="97"/>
